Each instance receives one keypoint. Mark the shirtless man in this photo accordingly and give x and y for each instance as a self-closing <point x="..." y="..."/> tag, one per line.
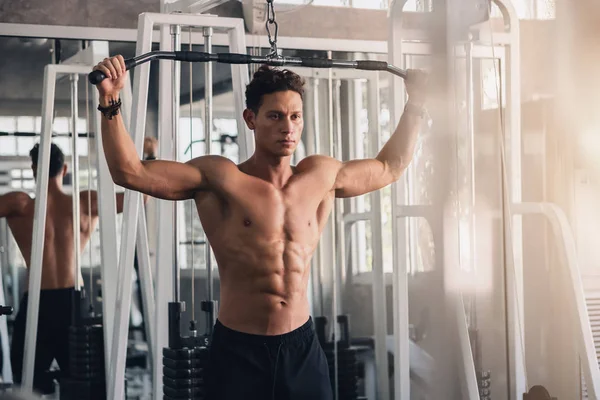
<point x="263" y="219"/>
<point x="58" y="272"/>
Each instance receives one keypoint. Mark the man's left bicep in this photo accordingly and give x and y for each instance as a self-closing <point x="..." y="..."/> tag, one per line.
<point x="358" y="177"/>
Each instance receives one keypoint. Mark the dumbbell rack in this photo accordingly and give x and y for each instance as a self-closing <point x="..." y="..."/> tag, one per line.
<point x="185" y="358"/>
<point x="87" y="378"/>
<point x="347" y="371"/>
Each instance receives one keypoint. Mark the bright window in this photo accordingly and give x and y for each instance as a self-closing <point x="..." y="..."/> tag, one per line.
<point x="8" y="146"/>
<point x="25" y="124"/>
<point x="8" y="124"/>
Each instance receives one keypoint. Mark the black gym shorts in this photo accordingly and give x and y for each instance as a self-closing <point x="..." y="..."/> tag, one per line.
<point x="54" y="320"/>
<point x="243" y="366"/>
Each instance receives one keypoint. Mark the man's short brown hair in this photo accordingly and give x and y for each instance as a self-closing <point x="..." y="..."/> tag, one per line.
<point x="269" y="80"/>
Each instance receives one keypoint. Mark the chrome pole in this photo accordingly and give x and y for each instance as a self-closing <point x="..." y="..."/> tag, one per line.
<point x="208" y="120"/>
<point x="74" y="78"/>
<point x="176" y="37"/>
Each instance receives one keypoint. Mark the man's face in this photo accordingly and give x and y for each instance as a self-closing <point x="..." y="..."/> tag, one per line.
<point x="278" y="125"/>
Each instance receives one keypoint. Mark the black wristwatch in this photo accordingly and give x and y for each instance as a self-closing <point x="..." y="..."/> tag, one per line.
<point x="150" y="158"/>
<point x="112" y="109"/>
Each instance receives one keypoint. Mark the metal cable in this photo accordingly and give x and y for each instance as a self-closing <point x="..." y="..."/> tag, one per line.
<point x="191" y="201"/>
<point x="89" y="198"/>
<point x="333" y="230"/>
<point x="74" y="78"/>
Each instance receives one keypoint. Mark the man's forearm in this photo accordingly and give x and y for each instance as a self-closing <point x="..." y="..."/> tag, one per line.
<point x="398" y="152"/>
<point x="119" y="149"/>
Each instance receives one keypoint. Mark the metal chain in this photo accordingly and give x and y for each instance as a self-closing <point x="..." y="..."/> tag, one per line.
<point x="271" y="21"/>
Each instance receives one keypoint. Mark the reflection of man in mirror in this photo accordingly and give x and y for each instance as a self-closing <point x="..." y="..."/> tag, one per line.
<point x="58" y="271"/>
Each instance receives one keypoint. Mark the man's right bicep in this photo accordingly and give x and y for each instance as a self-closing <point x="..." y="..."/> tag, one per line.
<point x="169" y="180"/>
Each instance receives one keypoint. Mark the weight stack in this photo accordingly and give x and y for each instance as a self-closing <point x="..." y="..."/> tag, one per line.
<point x="183" y="373"/>
<point x="485" y="383"/>
<point x="347" y="371"/>
<point x="87" y="380"/>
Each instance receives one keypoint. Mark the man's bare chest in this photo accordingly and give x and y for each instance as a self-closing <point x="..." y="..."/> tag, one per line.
<point x="298" y="209"/>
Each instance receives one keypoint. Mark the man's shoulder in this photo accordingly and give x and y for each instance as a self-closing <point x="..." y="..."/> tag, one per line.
<point x="212" y="161"/>
<point x="318" y="162"/>
<point x="19" y="201"/>
<point x="216" y="169"/>
<point x="19" y="196"/>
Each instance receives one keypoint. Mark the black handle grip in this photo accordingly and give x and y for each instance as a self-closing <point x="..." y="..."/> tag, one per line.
<point x="192" y="56"/>
<point x="6" y="310"/>
<point x="370" y="65"/>
<point x="317" y="63"/>
<point x="95" y="77"/>
<point x="231" y="58"/>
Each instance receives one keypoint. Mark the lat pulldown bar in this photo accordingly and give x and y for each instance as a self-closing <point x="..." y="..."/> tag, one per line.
<point x="95" y="77"/>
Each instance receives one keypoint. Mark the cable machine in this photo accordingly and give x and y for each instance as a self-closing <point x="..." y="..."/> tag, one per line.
<point x="183" y="354"/>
